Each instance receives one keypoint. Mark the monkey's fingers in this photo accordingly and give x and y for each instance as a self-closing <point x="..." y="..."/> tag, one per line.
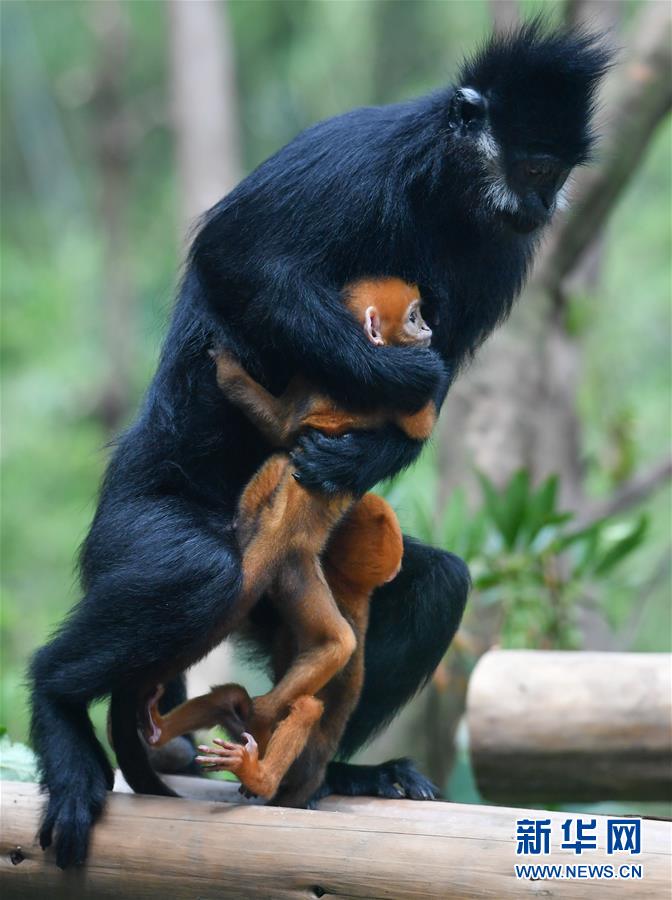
<point x="233" y="762"/>
<point x="226" y="751"/>
<point x="212" y="765"/>
<point x="216" y="752"/>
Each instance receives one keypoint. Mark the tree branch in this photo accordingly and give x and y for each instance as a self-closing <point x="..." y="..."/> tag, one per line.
<point x="642" y="91"/>
<point x="629" y="494"/>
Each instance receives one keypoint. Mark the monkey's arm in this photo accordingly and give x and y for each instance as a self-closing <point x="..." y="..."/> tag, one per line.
<point x="356" y="461"/>
<point x="279" y="419"/>
<point x="274" y="417"/>
<point x="353" y="462"/>
<point x="307" y="320"/>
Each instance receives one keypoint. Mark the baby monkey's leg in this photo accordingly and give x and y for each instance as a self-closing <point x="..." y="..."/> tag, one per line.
<point x="228" y="705"/>
<point x="263" y="776"/>
<point x="270" y="415"/>
<point x="326" y="640"/>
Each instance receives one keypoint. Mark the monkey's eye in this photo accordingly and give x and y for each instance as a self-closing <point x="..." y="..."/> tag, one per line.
<point x="413" y="317"/>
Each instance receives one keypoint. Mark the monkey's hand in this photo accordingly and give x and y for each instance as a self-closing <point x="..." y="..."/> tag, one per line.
<point x="353" y="462"/>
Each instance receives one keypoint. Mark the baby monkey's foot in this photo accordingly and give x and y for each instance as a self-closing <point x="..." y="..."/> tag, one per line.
<point x="242" y="760"/>
<point x="151" y="727"/>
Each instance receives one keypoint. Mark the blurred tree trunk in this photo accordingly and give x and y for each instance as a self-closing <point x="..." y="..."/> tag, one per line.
<point x="505" y="14"/>
<point x="204" y="105"/>
<point x="517" y="405"/>
<point x="112" y="141"/>
<point x="206" y="132"/>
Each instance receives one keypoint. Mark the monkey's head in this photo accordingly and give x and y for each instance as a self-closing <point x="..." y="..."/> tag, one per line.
<point x="389" y="310"/>
<point x="406" y="329"/>
<point x="521" y="119"/>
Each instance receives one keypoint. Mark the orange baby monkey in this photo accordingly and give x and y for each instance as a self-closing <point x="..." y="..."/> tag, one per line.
<point x="389" y="311"/>
<point x="363" y="553"/>
<point x="283" y="530"/>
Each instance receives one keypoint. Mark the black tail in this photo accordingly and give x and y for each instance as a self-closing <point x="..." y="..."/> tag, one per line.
<point x="131" y="752"/>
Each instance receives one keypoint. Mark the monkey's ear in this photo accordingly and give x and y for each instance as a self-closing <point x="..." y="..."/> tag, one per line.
<point x="372" y="326"/>
<point x="467" y="107"/>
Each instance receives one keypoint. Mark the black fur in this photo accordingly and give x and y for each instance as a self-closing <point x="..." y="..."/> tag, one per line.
<point x="400" y="190"/>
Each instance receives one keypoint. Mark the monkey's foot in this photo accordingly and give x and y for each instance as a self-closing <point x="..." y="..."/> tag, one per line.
<point x="151" y="728"/>
<point x="394" y="779"/>
<point x="242" y="760"/>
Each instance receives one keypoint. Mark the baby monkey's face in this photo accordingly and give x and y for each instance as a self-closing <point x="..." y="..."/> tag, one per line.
<point x="415" y="330"/>
<point x="401" y="327"/>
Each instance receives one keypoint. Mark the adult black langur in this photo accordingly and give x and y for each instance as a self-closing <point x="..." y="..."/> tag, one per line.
<point x="450" y="192"/>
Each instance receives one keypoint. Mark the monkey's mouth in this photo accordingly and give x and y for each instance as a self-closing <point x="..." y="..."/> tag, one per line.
<point x="524" y="221"/>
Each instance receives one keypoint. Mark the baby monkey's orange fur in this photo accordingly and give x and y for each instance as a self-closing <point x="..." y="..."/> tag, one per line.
<point x="363" y="553"/>
<point x="389" y="311"/>
<point x="283" y="530"/>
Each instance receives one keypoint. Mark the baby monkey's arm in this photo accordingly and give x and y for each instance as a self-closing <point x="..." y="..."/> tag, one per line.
<point x="280" y="419"/>
<point x="273" y="416"/>
<point x="389" y="311"/>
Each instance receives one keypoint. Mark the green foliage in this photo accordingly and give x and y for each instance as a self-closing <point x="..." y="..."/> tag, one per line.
<point x="528" y="557"/>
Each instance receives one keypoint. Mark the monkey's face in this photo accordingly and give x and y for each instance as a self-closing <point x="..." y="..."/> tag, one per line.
<point x="414" y="330"/>
<point x="523" y="120"/>
<point x="519" y="182"/>
<point x="400" y="324"/>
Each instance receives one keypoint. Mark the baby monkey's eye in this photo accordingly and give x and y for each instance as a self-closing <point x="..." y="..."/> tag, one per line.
<point x="413" y="317"/>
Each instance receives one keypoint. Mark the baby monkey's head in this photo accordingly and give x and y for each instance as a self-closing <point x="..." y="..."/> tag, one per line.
<point x="389" y="311"/>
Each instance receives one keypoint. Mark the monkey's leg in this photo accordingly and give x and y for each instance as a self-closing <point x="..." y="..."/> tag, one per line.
<point x="277" y="517"/>
<point x="262" y="776"/>
<point x="228" y="705"/>
<point x="413" y="619"/>
<point x="307" y="774"/>
<point x="325" y="638"/>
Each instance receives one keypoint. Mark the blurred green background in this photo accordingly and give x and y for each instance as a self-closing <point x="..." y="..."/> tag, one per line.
<point x="105" y="165"/>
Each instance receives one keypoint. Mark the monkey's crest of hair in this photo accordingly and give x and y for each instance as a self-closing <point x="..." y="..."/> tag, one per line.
<point x="536" y="79"/>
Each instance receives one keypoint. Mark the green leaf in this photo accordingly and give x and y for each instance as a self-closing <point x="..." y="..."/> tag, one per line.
<point x="516" y="498"/>
<point x="622" y="547"/>
<point x="492" y="502"/>
<point x="541" y="507"/>
<point x="455" y="521"/>
<point x="507" y="509"/>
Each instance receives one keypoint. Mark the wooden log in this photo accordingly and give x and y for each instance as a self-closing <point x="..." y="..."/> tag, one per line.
<point x="147" y="847"/>
<point x="557" y="726"/>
